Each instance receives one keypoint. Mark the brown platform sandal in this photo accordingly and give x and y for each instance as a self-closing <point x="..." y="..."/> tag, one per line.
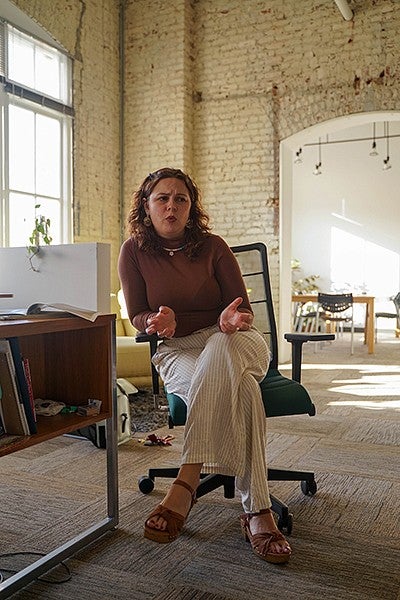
<point x="175" y="521"/>
<point x="260" y="542"/>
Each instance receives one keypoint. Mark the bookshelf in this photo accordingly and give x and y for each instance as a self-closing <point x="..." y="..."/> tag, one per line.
<point x="71" y="360"/>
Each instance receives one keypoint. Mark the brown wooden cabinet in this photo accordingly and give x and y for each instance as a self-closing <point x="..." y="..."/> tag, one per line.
<point x="71" y="360"/>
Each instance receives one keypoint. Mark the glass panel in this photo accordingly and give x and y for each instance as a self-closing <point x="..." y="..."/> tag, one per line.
<point x="47" y="71"/>
<point x="48" y="156"/>
<point x="22" y="218"/>
<point x="20" y="58"/>
<point x="37" y="65"/>
<point x="21" y="149"/>
<point x="51" y="209"/>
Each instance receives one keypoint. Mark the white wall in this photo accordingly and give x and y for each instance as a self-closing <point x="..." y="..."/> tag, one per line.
<point x="355" y="202"/>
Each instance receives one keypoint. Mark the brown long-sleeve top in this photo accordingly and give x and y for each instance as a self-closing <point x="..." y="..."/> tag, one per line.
<point x="196" y="290"/>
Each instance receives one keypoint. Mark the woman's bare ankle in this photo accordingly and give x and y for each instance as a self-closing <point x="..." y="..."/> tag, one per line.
<point x="190" y="474"/>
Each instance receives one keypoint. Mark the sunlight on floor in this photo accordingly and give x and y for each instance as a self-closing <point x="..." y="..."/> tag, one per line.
<point x="369" y="404"/>
<point x="374" y="381"/>
<point x="369" y="381"/>
<point x="363" y="368"/>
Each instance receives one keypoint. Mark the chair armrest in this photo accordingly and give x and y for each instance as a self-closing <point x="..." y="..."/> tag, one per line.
<point x="142" y="336"/>
<point x="153" y="340"/>
<point x="297" y="340"/>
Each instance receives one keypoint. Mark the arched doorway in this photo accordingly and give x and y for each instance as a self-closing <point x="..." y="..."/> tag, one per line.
<point x="330" y="203"/>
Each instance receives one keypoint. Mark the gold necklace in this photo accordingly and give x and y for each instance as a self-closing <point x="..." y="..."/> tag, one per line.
<point x="171" y="251"/>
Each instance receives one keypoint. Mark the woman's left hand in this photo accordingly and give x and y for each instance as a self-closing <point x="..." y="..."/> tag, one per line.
<point x="232" y="320"/>
<point x="163" y="323"/>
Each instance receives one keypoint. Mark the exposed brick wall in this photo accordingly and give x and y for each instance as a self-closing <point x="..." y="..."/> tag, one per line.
<point x="213" y="86"/>
<point x="265" y="70"/>
<point x="157" y="122"/>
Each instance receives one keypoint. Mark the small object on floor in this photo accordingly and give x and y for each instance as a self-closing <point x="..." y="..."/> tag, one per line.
<point x="154" y="440"/>
<point x="260" y="542"/>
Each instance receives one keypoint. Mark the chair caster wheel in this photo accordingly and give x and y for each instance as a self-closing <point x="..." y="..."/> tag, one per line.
<point x="309" y="488"/>
<point x="286" y="523"/>
<point x="146" y="485"/>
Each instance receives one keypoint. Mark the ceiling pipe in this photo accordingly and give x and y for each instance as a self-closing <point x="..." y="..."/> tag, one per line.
<point x="345" y="9"/>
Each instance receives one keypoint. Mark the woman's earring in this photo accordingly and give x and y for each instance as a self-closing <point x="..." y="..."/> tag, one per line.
<point x="189" y="224"/>
<point x="147" y="221"/>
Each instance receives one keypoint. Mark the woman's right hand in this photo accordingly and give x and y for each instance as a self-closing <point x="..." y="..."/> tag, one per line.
<point x="163" y="323"/>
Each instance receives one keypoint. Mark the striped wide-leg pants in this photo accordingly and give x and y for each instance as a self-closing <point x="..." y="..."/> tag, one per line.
<point x="217" y="375"/>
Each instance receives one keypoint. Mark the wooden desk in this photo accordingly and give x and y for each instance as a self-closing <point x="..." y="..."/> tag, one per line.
<point x="369" y="301"/>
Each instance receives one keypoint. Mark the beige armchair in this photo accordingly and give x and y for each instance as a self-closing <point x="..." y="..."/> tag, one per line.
<point x="133" y="359"/>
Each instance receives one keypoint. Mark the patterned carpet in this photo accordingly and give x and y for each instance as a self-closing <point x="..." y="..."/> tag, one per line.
<point x="345" y="539"/>
<point x="145" y="415"/>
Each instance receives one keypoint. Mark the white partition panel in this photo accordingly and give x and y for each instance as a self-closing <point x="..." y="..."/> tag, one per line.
<point x="77" y="274"/>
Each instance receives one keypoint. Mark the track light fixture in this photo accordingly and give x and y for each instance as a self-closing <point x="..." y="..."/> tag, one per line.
<point x="386" y="164"/>
<point x="374" y="151"/>
<point x="386" y="161"/>
<point x="317" y="170"/>
<point x="298" y="160"/>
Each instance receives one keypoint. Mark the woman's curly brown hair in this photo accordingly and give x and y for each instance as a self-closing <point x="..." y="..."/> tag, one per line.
<point x="146" y="237"/>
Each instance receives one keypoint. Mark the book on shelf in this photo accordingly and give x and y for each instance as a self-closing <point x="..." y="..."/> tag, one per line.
<point x="12" y="408"/>
<point x="53" y="310"/>
<point x="22" y="383"/>
<point x="27" y="370"/>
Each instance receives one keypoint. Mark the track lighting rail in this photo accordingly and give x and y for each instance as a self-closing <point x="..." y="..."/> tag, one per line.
<point x="365" y="139"/>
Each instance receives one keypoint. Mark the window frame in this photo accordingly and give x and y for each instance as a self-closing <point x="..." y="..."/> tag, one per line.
<point x="13" y="93"/>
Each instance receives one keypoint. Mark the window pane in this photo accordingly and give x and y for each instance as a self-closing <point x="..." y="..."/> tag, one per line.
<point x="48" y="156"/>
<point x="20" y="58"/>
<point x="47" y="71"/>
<point x="51" y="209"/>
<point x="22" y="218"/>
<point x="37" y="65"/>
<point x="21" y="149"/>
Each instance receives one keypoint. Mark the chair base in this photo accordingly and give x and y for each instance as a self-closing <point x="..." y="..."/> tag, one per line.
<point x="210" y="482"/>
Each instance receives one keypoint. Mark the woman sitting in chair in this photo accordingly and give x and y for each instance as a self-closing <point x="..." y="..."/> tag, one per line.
<point x="184" y="283"/>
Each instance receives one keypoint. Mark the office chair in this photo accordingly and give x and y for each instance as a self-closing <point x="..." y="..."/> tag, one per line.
<point x="336" y="308"/>
<point x="305" y="316"/>
<point x="387" y="315"/>
<point x="281" y="395"/>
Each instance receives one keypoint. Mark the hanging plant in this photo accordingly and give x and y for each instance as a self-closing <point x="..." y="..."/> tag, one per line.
<point x="39" y="236"/>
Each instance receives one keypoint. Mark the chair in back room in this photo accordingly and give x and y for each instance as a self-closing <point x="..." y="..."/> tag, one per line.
<point x="388" y="315"/>
<point x="336" y="309"/>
